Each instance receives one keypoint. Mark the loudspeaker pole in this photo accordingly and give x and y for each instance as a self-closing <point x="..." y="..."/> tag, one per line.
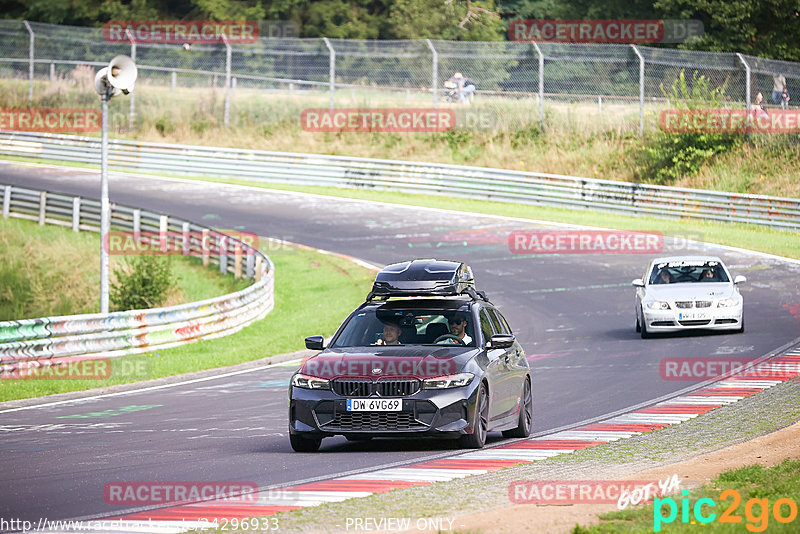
<point x="105" y="211"/>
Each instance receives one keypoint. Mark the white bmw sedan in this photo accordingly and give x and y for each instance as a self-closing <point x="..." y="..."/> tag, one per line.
<point x="686" y="293"/>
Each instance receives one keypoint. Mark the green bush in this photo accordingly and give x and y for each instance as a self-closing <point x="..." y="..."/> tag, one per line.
<point x="143" y="283"/>
<point x="664" y="156"/>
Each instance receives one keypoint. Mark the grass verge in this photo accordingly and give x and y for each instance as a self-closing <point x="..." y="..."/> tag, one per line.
<point x="47" y="271"/>
<point x="313" y="292"/>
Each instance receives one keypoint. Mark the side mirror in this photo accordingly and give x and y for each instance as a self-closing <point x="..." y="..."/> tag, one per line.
<point x="502" y="341"/>
<point x="638" y="283"/>
<point x="738" y="279"/>
<point x="315" y="342"/>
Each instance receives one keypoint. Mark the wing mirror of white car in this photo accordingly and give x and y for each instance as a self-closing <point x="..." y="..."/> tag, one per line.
<point x="739" y="279"/>
<point x="638" y="283"/>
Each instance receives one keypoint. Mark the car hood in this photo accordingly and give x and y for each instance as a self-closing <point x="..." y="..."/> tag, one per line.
<point x="388" y="362"/>
<point x="691" y="291"/>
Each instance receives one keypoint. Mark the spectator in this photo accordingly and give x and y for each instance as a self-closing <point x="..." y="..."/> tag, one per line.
<point x="778" y="86"/>
<point x="758" y="107"/>
<point x="465" y="87"/>
<point x="785" y="98"/>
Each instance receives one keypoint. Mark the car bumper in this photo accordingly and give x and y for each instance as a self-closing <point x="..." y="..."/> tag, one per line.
<point x="673" y="321"/>
<point x="442" y="413"/>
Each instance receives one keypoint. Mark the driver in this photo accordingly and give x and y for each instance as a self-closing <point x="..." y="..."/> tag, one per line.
<point x="458" y="327"/>
<point x="391" y="334"/>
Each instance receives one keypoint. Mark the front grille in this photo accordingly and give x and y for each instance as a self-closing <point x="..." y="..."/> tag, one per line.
<point x="373" y="421"/>
<point x="662" y="323"/>
<point x="703" y="304"/>
<point x="726" y="321"/>
<point x="382" y="388"/>
<point x="698" y="322"/>
<point x="397" y="388"/>
<point x="684" y="304"/>
<point x="352" y="388"/>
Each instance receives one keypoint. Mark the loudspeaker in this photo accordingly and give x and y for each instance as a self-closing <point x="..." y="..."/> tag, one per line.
<point x="120" y="75"/>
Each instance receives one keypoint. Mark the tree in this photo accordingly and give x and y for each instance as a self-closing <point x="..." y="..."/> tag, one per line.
<point x="445" y="19"/>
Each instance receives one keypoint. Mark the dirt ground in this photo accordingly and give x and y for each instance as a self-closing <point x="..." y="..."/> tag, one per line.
<point x="766" y="451"/>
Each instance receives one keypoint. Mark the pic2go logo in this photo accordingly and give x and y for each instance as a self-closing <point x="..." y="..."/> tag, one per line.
<point x="757" y="522"/>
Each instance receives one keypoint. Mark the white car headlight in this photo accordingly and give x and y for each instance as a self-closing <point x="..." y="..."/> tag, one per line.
<point x="658" y="305"/>
<point x="726" y="303"/>
<point x="451" y="381"/>
<point x="310" y="382"/>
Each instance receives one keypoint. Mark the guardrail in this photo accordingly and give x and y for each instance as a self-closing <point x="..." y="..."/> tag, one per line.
<point x="32" y="342"/>
<point x="425" y="178"/>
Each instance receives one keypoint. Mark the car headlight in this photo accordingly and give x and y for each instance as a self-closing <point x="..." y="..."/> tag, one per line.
<point x="726" y="303"/>
<point x="658" y="305"/>
<point x="310" y="382"/>
<point x="451" y="381"/>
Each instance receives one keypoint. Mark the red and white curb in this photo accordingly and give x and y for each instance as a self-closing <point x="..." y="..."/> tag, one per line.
<point x="181" y="518"/>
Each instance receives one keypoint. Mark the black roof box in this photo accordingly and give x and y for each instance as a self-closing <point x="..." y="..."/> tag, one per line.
<point x="423" y="277"/>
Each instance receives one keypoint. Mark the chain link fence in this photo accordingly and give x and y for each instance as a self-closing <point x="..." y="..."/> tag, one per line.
<point x="596" y="78"/>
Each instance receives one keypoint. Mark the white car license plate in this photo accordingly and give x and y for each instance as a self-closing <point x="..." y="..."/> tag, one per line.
<point x="692" y="316"/>
<point x="374" y="405"/>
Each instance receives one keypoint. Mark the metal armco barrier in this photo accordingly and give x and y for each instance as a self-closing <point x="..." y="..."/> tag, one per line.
<point x="32" y="342"/>
<point x="426" y="178"/>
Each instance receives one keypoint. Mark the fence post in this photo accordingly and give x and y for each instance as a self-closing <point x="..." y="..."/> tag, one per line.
<point x="434" y="72"/>
<point x="42" y="207"/>
<point x="250" y="262"/>
<point x="185" y="238"/>
<point x="132" y="112"/>
<point x="204" y="246"/>
<point x="163" y="224"/>
<point x="237" y="260"/>
<point x="227" y="78"/>
<point x="173" y="81"/>
<point x="137" y="225"/>
<point x="331" y="68"/>
<point x="7" y="202"/>
<point x="223" y="254"/>
<point x="641" y="89"/>
<point x="52" y="72"/>
<point x="30" y="60"/>
<point x="746" y="90"/>
<point x="76" y="214"/>
<point x="259" y="270"/>
<point x="541" y="85"/>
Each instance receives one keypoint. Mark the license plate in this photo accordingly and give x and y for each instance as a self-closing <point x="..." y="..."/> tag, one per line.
<point x="692" y="316"/>
<point x="374" y="405"/>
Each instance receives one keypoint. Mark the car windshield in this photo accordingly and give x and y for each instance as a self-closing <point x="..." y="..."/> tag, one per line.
<point x="407" y="326"/>
<point x="676" y="272"/>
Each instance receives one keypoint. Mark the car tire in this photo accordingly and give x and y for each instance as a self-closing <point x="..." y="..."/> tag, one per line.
<point x="301" y="444"/>
<point x="523" y="430"/>
<point x="638" y="324"/>
<point x="741" y="327"/>
<point x="643" y="329"/>
<point x="480" y="424"/>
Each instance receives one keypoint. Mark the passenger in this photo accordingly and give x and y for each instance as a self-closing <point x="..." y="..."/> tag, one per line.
<point x="665" y="277"/>
<point x="708" y="276"/>
<point x="391" y="334"/>
<point x="458" y="328"/>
